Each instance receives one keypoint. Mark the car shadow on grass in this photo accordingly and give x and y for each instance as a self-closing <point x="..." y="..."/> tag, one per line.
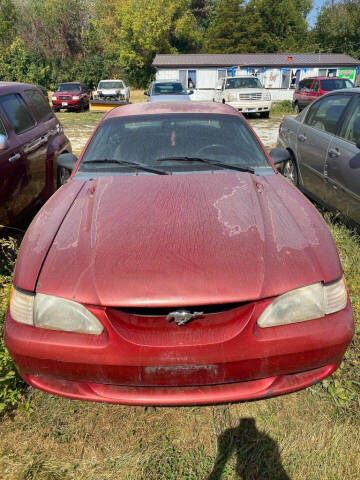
<point x="257" y="454"/>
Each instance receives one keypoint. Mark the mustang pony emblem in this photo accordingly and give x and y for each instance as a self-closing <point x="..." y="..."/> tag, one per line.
<point x="181" y="317"/>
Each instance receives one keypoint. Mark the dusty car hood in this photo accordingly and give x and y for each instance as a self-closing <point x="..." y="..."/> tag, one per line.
<point x="193" y="239"/>
<point x="168" y="98"/>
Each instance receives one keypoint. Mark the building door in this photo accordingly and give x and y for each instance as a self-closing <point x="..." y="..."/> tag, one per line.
<point x="183" y="77"/>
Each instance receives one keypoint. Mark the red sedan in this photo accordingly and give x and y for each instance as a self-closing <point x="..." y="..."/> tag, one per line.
<point x="177" y="267"/>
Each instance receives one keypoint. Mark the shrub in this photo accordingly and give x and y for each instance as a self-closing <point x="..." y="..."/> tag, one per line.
<point x="11" y="385"/>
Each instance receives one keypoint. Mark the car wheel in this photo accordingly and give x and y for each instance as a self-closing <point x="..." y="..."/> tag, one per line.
<point x="82" y="107"/>
<point x="290" y="172"/>
<point x="264" y="114"/>
<point x="62" y="176"/>
<point x="297" y="108"/>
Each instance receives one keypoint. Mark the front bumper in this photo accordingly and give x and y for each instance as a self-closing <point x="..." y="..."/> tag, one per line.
<point x="133" y="363"/>
<point x="59" y="104"/>
<point x="251" y="106"/>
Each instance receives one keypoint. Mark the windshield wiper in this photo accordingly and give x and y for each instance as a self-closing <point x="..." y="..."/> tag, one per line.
<point x="208" y="161"/>
<point x="137" y="166"/>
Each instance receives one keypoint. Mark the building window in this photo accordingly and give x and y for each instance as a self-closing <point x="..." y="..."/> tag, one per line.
<point x="221" y="73"/>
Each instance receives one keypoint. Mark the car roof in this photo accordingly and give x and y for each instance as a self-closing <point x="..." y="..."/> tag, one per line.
<point x="112" y="80"/>
<point x="161" y="108"/>
<point x="71" y="83"/>
<point x="323" y="78"/>
<point x="167" y="81"/>
<point x="344" y="90"/>
<point x="15" y="86"/>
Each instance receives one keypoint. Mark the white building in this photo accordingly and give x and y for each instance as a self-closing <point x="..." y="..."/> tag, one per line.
<point x="280" y="72"/>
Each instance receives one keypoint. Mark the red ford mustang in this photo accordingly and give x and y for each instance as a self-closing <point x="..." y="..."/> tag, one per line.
<point x="177" y="267"/>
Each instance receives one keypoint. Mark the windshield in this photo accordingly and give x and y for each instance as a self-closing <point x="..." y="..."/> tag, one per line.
<point x="148" y="139"/>
<point x="335" y="84"/>
<point x="69" y="87"/>
<point x="168" y="88"/>
<point x="110" y="85"/>
<point x="249" y="82"/>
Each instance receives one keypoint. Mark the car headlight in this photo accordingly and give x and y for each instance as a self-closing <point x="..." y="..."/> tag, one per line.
<point x="231" y="97"/>
<point x="54" y="98"/>
<point x="53" y="313"/>
<point x="305" y="303"/>
<point x="267" y="96"/>
<point x="76" y="97"/>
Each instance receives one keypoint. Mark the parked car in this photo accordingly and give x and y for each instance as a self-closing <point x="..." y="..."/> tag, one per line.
<point x="167" y="91"/>
<point x="112" y="90"/>
<point x="246" y="94"/>
<point x="71" y="96"/>
<point x="324" y="142"/>
<point x="177" y="267"/>
<point x="31" y="138"/>
<point x="312" y="88"/>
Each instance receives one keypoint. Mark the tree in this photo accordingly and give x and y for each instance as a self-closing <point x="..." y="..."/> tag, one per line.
<point x="8" y="22"/>
<point x="226" y="33"/>
<point x="133" y="31"/>
<point x="259" y="26"/>
<point x="337" y="28"/>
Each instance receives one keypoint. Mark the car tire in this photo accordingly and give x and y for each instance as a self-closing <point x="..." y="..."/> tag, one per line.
<point x="297" y="108"/>
<point x="82" y="107"/>
<point x="290" y="172"/>
<point x="62" y="176"/>
<point x="265" y="114"/>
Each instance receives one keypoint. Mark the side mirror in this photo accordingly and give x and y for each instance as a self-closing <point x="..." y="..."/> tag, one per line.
<point x="4" y="144"/>
<point x="190" y="92"/>
<point x="358" y="144"/>
<point x="280" y="155"/>
<point x="146" y="93"/>
<point x="66" y="163"/>
<point x="218" y="88"/>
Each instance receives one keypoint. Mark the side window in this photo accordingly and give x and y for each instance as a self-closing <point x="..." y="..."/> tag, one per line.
<point x="41" y="106"/>
<point x="351" y="129"/>
<point x="325" y="114"/>
<point x="315" y="87"/>
<point x="17" y="112"/>
<point x="307" y="85"/>
<point x="2" y="129"/>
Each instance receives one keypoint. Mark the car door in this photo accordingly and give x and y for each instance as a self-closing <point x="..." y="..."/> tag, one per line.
<point x="19" y="122"/>
<point x="31" y="137"/>
<point x="343" y="165"/>
<point x="313" y="139"/>
<point x="307" y="92"/>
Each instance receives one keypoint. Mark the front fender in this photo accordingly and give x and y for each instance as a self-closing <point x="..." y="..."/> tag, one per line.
<point x="41" y="233"/>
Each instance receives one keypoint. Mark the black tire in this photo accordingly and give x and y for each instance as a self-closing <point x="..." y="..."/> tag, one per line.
<point x="265" y="114"/>
<point x="297" y="108"/>
<point x="290" y="171"/>
<point x="62" y="176"/>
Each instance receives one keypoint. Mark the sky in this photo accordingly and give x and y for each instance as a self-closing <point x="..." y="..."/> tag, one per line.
<point x="313" y="14"/>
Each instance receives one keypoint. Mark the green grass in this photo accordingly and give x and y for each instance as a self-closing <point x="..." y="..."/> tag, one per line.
<point x="284" y="108"/>
<point x="310" y="435"/>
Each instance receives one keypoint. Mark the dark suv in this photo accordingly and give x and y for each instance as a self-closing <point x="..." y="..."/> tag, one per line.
<point x="71" y="96"/>
<point x="314" y="87"/>
<point x="31" y="138"/>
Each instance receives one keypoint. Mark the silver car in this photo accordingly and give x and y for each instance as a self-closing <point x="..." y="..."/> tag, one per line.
<point x="167" y="91"/>
<point x="324" y="143"/>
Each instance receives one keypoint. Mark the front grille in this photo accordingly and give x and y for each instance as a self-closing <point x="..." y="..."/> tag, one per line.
<point x="163" y="312"/>
<point x="64" y="97"/>
<point x="250" y="96"/>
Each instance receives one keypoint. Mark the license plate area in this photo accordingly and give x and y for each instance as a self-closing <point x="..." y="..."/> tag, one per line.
<point x="64" y="104"/>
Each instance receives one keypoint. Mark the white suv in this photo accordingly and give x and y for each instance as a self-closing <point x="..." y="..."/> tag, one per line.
<point x="246" y="94"/>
